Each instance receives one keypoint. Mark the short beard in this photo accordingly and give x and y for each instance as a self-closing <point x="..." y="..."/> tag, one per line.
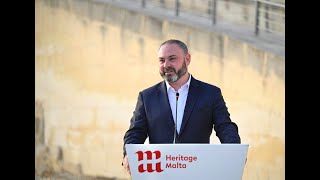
<point x="176" y="75"/>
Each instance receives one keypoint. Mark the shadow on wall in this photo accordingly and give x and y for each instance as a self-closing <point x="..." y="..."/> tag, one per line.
<point x="39" y="123"/>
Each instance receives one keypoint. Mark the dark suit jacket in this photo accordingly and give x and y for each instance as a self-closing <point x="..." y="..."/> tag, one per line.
<point x="205" y="109"/>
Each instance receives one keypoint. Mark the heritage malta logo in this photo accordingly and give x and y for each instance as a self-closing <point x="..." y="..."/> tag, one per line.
<point x="176" y="161"/>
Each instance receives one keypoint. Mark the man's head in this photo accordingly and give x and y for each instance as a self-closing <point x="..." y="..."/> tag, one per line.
<point x="174" y="60"/>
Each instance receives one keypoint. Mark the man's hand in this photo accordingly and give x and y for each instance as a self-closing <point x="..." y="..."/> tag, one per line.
<point x="125" y="164"/>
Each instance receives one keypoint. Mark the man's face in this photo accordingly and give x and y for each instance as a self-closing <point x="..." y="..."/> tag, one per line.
<point x="172" y="62"/>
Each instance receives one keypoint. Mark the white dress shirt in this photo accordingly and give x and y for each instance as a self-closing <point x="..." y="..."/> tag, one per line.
<point x="183" y="94"/>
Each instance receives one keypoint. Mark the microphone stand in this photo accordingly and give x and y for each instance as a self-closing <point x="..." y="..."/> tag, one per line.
<point x="175" y="122"/>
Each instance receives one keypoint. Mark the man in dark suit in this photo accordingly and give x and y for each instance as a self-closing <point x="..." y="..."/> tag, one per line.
<point x="180" y="102"/>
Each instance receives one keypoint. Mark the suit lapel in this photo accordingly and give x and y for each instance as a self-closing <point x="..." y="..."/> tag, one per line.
<point x="193" y="95"/>
<point x="165" y="109"/>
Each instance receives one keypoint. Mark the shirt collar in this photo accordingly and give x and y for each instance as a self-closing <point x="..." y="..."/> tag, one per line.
<point x="186" y="84"/>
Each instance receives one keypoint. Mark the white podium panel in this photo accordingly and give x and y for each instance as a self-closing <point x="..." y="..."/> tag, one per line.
<point x="187" y="161"/>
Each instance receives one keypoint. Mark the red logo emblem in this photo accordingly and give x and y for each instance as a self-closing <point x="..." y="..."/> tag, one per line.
<point x="150" y="169"/>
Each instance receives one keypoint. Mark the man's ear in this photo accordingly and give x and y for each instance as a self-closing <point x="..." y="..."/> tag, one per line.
<point x="188" y="58"/>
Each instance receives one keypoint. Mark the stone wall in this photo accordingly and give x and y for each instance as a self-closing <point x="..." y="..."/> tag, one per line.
<point x="91" y="61"/>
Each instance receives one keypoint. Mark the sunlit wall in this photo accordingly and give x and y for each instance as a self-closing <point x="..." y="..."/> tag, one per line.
<point x="92" y="59"/>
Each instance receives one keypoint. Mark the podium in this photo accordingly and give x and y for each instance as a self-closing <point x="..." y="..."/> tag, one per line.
<point x="187" y="161"/>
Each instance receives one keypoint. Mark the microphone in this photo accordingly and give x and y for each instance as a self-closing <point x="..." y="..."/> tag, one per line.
<point x="175" y="122"/>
